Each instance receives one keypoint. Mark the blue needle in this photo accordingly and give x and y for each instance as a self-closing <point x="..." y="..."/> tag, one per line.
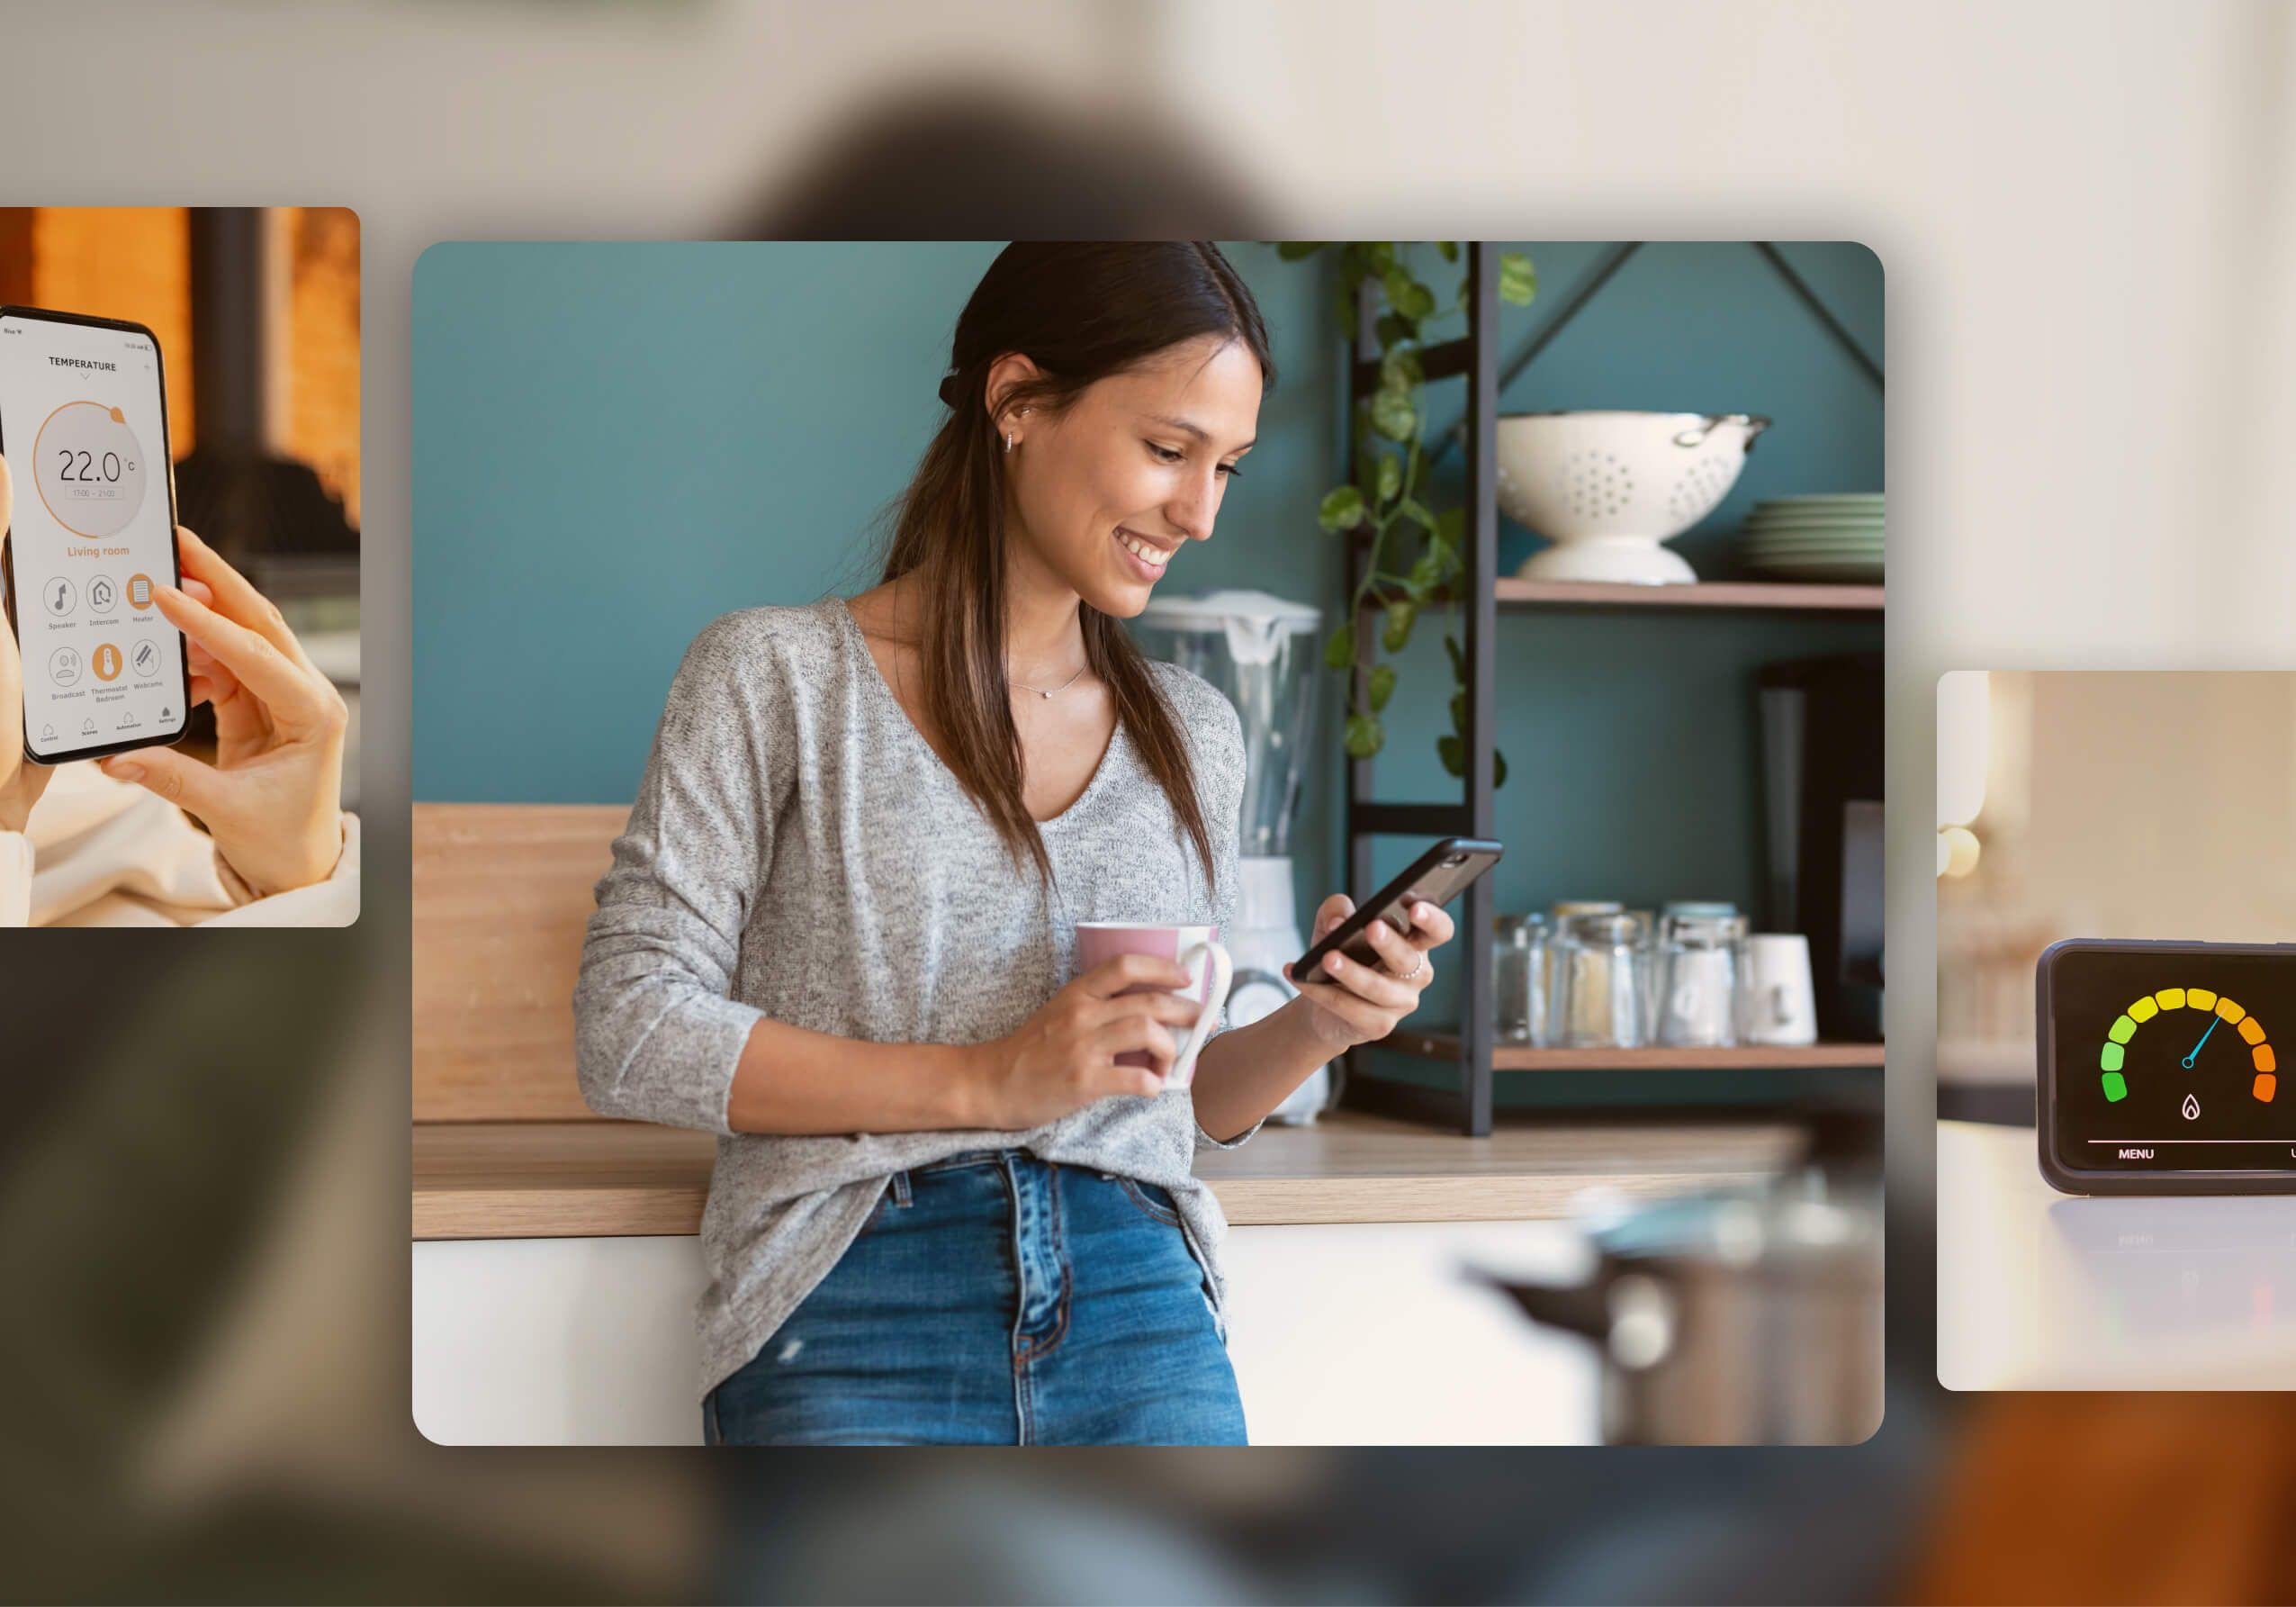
<point x="2196" y="1048"/>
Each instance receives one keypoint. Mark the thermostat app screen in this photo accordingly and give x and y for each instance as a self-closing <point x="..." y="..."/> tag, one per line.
<point x="2169" y="1060"/>
<point x="82" y="424"/>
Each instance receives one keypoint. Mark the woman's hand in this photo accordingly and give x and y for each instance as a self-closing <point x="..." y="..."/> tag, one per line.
<point x="271" y="799"/>
<point x="1063" y="1058"/>
<point x="21" y="781"/>
<point x="1351" y="1002"/>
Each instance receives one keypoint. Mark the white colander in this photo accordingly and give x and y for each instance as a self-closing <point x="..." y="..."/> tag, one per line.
<point x="1607" y="488"/>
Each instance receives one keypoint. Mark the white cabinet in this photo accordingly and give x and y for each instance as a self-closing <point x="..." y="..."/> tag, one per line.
<point x="1362" y="1334"/>
<point x="556" y="1342"/>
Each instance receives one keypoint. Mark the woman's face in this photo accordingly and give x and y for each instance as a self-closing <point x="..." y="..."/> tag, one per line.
<point x="1109" y="494"/>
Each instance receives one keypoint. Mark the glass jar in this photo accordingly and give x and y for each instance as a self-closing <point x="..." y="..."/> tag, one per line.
<point x="1602" y="965"/>
<point x="1558" y="916"/>
<point x="1520" y="964"/>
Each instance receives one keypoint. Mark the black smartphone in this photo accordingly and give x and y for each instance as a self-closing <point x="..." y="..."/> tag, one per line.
<point x="2160" y="1067"/>
<point x="83" y="424"/>
<point x="1437" y="876"/>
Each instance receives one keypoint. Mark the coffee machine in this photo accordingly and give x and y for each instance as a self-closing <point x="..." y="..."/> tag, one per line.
<point x="1261" y="652"/>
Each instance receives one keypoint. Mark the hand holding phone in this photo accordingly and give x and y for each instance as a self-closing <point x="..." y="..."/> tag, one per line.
<point x="272" y="798"/>
<point x="1437" y="877"/>
<point x="1381" y="950"/>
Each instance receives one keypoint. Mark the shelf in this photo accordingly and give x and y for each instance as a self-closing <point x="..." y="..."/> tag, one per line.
<point x="1753" y="596"/>
<point x="1745" y="597"/>
<point x="1506" y="1057"/>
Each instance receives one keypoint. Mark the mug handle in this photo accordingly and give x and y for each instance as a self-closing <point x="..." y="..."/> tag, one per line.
<point x="1223" y="970"/>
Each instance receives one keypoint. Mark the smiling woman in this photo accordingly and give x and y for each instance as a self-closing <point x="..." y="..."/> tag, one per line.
<point x="954" y="1197"/>
<point x="1100" y="395"/>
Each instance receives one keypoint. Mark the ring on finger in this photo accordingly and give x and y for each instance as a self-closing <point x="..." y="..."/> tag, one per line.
<point x="1388" y="938"/>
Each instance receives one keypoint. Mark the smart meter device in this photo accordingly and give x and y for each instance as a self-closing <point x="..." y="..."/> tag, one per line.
<point x="2160" y="1067"/>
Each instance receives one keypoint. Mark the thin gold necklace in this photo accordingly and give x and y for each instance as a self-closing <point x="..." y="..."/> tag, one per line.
<point x="1039" y="692"/>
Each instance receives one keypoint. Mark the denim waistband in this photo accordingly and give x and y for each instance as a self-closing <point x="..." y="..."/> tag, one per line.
<point x="973" y="1157"/>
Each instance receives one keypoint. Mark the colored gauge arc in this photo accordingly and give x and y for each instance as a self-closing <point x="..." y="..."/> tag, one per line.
<point x="2205" y="1012"/>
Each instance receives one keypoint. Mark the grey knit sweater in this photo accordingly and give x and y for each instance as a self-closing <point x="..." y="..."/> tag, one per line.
<point x="797" y="850"/>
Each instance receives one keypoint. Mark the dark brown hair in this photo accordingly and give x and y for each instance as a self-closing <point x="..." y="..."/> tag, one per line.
<point x="1080" y="312"/>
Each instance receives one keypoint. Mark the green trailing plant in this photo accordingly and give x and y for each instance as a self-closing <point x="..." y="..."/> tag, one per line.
<point x="1414" y="548"/>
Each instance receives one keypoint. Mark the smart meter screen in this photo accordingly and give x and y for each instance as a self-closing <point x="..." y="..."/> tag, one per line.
<point x="82" y="422"/>
<point x="2166" y="1058"/>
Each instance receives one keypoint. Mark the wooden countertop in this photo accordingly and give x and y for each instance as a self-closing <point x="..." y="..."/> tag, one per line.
<point x="559" y="1180"/>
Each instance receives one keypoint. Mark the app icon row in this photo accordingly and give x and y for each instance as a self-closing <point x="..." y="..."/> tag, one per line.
<point x="60" y="597"/>
<point x="65" y="666"/>
<point x="128" y="722"/>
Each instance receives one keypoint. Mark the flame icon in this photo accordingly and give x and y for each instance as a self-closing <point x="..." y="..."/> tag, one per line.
<point x="2192" y="1107"/>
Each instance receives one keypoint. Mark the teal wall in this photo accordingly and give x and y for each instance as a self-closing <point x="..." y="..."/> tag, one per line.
<point x="614" y="443"/>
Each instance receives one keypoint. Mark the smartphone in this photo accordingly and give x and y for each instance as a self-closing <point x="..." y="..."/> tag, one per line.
<point x="2159" y="1067"/>
<point x="83" y="424"/>
<point x="1437" y="876"/>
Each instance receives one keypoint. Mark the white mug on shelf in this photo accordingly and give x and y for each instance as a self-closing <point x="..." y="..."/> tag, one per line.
<point x="1780" y="1001"/>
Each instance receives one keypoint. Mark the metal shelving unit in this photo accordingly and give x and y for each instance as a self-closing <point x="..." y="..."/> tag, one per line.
<point x="1473" y="357"/>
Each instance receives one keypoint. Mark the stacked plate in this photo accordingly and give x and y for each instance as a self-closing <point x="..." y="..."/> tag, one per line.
<point x="1833" y="538"/>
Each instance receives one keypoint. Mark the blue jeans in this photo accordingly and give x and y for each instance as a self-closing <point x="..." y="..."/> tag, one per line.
<point x="994" y="1299"/>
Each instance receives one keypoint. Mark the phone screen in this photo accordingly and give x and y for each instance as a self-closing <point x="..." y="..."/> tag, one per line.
<point x="83" y="421"/>
<point x="2166" y="1059"/>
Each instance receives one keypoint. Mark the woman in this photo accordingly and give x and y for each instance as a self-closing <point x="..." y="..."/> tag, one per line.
<point x="110" y="844"/>
<point x="839" y="930"/>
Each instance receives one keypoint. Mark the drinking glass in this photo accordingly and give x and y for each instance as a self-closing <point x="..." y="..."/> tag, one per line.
<point x="1701" y="960"/>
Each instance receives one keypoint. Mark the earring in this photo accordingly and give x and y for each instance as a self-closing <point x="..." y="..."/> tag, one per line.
<point x="1008" y="443"/>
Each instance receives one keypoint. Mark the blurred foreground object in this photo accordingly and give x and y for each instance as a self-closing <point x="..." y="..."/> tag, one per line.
<point x="2118" y="1498"/>
<point x="939" y="160"/>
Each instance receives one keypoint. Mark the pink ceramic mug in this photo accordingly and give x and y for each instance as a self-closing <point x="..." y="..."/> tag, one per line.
<point x="1195" y="947"/>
